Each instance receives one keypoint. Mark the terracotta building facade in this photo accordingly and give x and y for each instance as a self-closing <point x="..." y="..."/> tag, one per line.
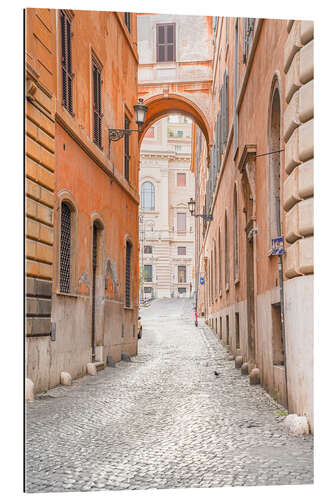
<point x="82" y="191"/>
<point x="166" y="227"/>
<point x="258" y="186"/>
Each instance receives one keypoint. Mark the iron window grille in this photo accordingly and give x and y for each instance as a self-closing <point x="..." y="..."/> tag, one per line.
<point x="65" y="248"/>
<point x="66" y="62"/>
<point x="165" y="42"/>
<point x="97" y="104"/>
<point x="128" y="275"/>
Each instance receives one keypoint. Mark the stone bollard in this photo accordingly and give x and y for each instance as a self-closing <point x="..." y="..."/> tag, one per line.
<point x="238" y="361"/>
<point x="125" y="356"/>
<point x="295" y="425"/>
<point x="255" y="376"/>
<point x="110" y="362"/>
<point x="91" y="369"/>
<point x="65" y="378"/>
<point x="29" y="390"/>
<point x="245" y="369"/>
<point x="231" y="357"/>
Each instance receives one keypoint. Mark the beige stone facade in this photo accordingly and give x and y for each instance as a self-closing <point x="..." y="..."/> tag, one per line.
<point x="166" y="228"/>
<point x="258" y="186"/>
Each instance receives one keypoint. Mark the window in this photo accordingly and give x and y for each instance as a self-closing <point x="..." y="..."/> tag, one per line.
<point x="150" y="133"/>
<point x="128" y="275"/>
<point x="66" y="62"/>
<point x="215" y="270"/>
<point x="248" y="28"/>
<point x="227" y="328"/>
<point x="127" y="18"/>
<point x="97" y="106"/>
<point x="181" y="250"/>
<point x="180" y="133"/>
<point x="148" y="249"/>
<point x="274" y="167"/>
<point x="220" y="261"/>
<point x="148" y="196"/>
<point x="181" y="291"/>
<point x="126" y="149"/>
<point x="237" y="330"/>
<point x="65" y="248"/>
<point x="148" y="272"/>
<point x="278" y="349"/>
<point x="181" y="179"/>
<point x="235" y="228"/>
<point x="181" y="274"/>
<point x="226" y="251"/>
<point x="236" y="90"/>
<point x="147" y="289"/>
<point x="165" y="42"/>
<point x="181" y="222"/>
<point x="178" y="148"/>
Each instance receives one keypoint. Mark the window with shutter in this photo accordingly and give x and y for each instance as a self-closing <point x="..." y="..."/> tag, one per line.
<point x="165" y="42"/>
<point x="181" y="179"/>
<point x="66" y="62"/>
<point x="226" y="107"/>
<point x="181" y="222"/>
<point x="97" y="104"/>
<point x="127" y="18"/>
<point x="127" y="150"/>
<point x="181" y="250"/>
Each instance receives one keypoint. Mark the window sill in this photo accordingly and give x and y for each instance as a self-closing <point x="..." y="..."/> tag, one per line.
<point x="65" y="294"/>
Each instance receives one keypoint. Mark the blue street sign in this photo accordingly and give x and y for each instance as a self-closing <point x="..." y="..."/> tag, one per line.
<point x="202" y="281"/>
<point x="277" y="246"/>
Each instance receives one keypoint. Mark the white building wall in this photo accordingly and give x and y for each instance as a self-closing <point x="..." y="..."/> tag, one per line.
<point x="162" y="158"/>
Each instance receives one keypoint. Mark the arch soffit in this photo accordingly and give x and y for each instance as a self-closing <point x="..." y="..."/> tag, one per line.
<point x="160" y="106"/>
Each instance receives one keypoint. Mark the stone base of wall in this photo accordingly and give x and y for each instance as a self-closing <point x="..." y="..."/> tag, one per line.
<point x="299" y="344"/>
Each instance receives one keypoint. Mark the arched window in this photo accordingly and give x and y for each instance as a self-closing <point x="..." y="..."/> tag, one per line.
<point x="235" y="231"/>
<point x="274" y="167"/>
<point x="65" y="247"/>
<point x="148" y="196"/>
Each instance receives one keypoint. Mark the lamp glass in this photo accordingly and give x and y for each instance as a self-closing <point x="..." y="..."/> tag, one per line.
<point x="191" y="206"/>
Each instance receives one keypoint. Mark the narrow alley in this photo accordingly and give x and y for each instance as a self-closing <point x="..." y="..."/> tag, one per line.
<point x="163" y="420"/>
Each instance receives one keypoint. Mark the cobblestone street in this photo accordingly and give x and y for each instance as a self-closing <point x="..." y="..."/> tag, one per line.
<point x="164" y="420"/>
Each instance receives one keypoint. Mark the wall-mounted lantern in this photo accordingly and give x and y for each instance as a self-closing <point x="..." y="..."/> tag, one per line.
<point x="191" y="207"/>
<point x="140" y="115"/>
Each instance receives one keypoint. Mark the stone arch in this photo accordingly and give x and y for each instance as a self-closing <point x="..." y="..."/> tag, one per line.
<point x="161" y="105"/>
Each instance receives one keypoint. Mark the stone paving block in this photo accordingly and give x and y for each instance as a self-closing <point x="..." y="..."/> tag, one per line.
<point x="163" y="421"/>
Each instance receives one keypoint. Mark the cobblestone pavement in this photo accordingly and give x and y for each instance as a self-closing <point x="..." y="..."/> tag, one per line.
<point x="165" y="420"/>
